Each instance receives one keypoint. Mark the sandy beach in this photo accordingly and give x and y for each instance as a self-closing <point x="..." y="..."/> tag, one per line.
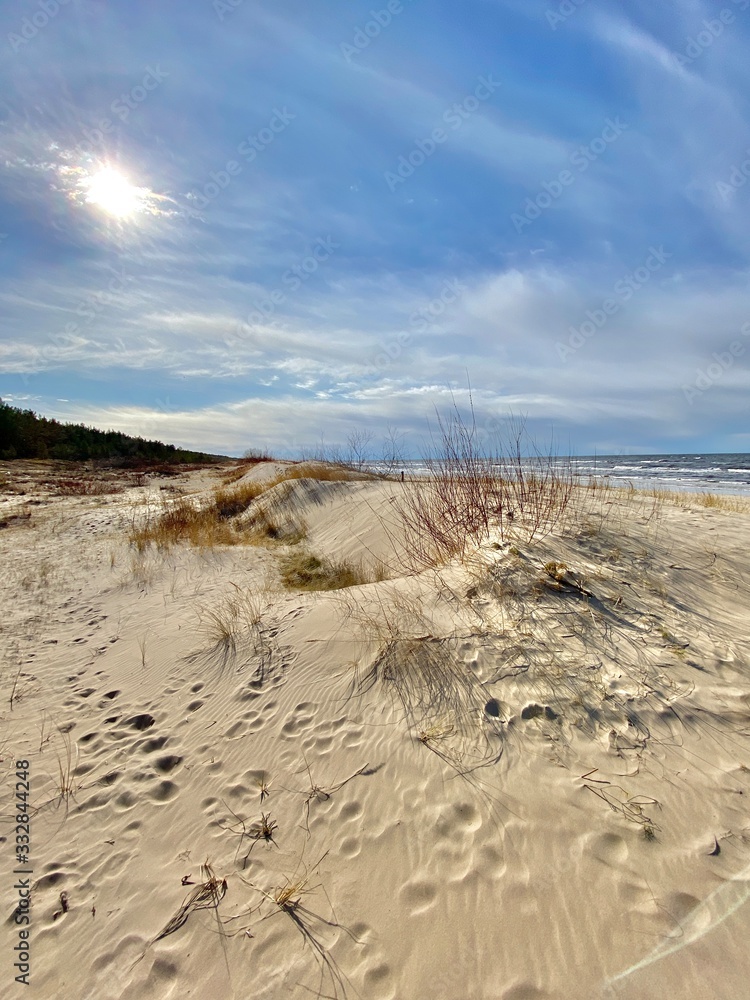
<point x="519" y="774"/>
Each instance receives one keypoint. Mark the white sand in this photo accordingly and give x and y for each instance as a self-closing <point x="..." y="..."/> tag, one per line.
<point x="552" y="835"/>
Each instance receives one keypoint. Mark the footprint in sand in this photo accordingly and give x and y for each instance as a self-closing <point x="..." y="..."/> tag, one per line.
<point x="418" y="895"/>
<point x="167" y="764"/>
<point x="126" y="800"/>
<point x="50" y="880"/>
<point x="153" y="744"/>
<point x="163" y="792"/>
<point x="110" y="778"/>
<point x="610" y="848"/>
<point x="350" y="811"/>
<point x="237" y="731"/>
<point x="297" y="724"/>
<point x="350" y="847"/>
<point x="491" y="862"/>
<point x="109" y="696"/>
<point x="141" y="722"/>
<point x="379" y="982"/>
<point x="525" y="991"/>
<point x="319" y="745"/>
<point x="247" y="694"/>
<point x="459" y="819"/>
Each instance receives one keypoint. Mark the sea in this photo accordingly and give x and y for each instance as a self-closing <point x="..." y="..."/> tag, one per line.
<point x="723" y="473"/>
<point x="690" y="473"/>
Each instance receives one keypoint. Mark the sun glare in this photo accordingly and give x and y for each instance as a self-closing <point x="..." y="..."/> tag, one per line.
<point x="110" y="191"/>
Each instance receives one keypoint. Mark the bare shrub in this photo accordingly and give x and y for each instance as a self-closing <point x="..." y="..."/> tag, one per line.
<point x="87" y="487"/>
<point x="468" y="493"/>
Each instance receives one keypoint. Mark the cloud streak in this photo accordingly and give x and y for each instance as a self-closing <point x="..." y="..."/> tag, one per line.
<point x="272" y="276"/>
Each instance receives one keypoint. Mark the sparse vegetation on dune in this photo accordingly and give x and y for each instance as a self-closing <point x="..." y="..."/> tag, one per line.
<point x="324" y="472"/>
<point x="239" y="613"/>
<point x="302" y="570"/>
<point x="199" y="523"/>
<point x="249" y="460"/>
<point x="211" y="522"/>
<point x="226" y="504"/>
<point x="181" y="520"/>
<point x="733" y="503"/>
<point x="730" y="502"/>
<point x="469" y="492"/>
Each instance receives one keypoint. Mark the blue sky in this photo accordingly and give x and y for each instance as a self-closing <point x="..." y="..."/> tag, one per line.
<point x="265" y="223"/>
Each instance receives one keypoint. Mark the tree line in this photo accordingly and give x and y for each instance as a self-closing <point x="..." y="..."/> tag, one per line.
<point x="24" y="434"/>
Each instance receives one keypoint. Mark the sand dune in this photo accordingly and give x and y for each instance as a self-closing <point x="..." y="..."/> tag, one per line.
<point x="521" y="775"/>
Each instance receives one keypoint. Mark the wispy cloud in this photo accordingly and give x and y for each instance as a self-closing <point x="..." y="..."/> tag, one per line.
<point x="251" y="142"/>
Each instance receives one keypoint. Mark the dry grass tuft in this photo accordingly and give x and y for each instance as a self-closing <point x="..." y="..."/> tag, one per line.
<point x="324" y="472"/>
<point x="318" y="793"/>
<point x="435" y="733"/>
<point x="205" y="896"/>
<point x="287" y="899"/>
<point x="265" y="828"/>
<point x="556" y="570"/>
<point x="87" y="487"/>
<point x="302" y="570"/>
<point x="181" y="520"/>
<point x="468" y="493"/>
<point x="733" y="503"/>
<point x="66" y="768"/>
<point x="288" y="895"/>
<point x="729" y="502"/>
<point x="229" y="503"/>
<point x="204" y="524"/>
<point x="210" y="523"/>
<point x="265" y="529"/>
<point x="239" y="613"/>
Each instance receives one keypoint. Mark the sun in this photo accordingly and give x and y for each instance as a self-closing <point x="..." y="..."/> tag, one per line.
<point x="113" y="193"/>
